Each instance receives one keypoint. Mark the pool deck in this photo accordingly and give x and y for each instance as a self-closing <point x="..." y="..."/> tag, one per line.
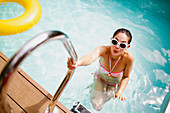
<point x="26" y="95"/>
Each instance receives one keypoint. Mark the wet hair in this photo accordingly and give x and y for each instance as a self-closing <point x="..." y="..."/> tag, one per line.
<point x="123" y="30"/>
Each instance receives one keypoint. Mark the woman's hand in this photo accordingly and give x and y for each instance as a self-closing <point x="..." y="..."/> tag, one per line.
<point x="71" y="64"/>
<point x="119" y="97"/>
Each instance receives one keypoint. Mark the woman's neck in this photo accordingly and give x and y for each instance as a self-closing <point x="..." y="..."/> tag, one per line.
<point x="115" y="57"/>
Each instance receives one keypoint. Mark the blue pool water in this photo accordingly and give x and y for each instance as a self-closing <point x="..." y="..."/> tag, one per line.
<point x="90" y="23"/>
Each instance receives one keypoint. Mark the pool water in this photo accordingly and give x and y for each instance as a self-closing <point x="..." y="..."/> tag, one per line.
<point x="89" y="24"/>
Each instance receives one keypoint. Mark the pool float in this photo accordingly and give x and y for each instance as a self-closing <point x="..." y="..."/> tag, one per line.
<point x="28" y="19"/>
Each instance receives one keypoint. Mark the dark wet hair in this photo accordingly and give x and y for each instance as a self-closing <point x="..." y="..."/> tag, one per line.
<point x="123" y="30"/>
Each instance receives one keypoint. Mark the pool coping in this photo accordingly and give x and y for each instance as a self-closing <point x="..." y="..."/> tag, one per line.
<point x="26" y="95"/>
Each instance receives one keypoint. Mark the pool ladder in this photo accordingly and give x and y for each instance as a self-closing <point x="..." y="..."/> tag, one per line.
<point x="16" y="60"/>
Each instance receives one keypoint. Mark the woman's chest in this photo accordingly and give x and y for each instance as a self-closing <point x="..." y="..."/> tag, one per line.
<point x="112" y="65"/>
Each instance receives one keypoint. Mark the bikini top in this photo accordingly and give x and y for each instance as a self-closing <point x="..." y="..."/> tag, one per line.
<point x="109" y="73"/>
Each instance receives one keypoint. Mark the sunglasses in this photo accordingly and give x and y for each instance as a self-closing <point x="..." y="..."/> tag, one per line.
<point x="122" y="45"/>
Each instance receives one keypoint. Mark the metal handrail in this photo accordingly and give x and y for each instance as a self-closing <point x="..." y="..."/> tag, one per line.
<point x="16" y="60"/>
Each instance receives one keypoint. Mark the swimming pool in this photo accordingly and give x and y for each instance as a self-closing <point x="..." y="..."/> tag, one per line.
<point x="89" y="24"/>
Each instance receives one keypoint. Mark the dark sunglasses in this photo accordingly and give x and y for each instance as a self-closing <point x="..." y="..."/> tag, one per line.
<point x="122" y="45"/>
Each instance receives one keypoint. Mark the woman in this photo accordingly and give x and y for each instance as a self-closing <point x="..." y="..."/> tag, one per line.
<point x="115" y="65"/>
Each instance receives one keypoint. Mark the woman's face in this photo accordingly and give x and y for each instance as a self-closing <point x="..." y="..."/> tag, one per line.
<point x="121" y="38"/>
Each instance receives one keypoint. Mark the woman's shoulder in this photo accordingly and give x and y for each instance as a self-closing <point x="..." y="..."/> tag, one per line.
<point x="103" y="49"/>
<point x="128" y="56"/>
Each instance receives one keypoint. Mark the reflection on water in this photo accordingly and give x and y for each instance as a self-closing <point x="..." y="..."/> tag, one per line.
<point x="10" y="10"/>
<point x="90" y="24"/>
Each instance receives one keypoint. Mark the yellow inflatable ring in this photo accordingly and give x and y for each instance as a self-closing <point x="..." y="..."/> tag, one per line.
<point x="28" y="19"/>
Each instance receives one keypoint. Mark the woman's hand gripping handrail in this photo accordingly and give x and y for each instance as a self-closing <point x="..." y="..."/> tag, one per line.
<point x="16" y="60"/>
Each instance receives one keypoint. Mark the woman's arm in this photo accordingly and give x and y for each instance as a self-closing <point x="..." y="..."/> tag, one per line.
<point x="125" y="78"/>
<point x="87" y="59"/>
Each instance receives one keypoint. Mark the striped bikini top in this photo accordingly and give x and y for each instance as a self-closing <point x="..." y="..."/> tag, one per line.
<point x="109" y="73"/>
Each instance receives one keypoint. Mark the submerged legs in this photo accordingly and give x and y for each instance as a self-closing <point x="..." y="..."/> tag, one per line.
<point x="101" y="93"/>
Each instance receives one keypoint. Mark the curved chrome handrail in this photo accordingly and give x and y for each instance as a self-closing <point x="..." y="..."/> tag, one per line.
<point x="16" y="60"/>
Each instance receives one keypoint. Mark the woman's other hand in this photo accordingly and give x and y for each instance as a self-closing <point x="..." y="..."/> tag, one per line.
<point x="119" y="97"/>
